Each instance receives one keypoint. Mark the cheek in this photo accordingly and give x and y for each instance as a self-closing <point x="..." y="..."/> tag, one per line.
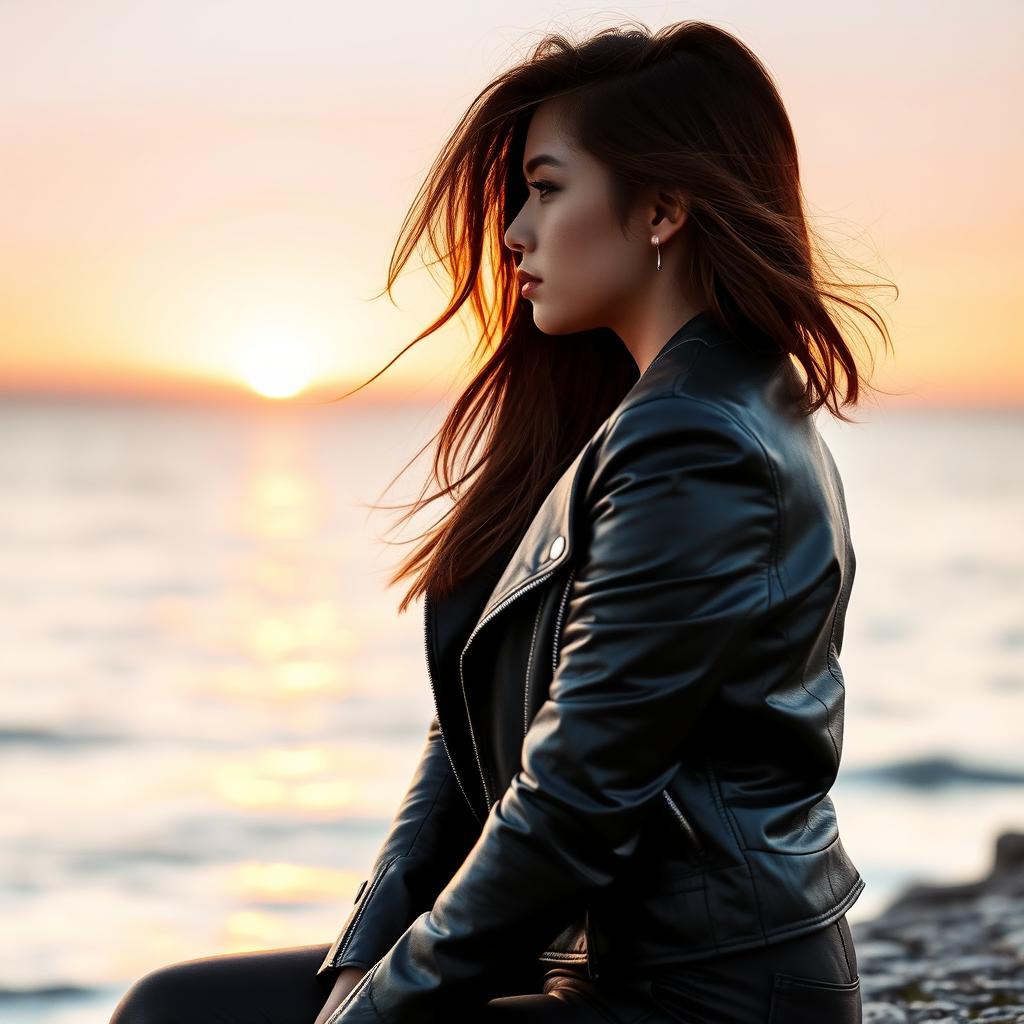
<point x="588" y="256"/>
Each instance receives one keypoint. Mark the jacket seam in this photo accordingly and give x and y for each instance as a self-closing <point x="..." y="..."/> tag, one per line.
<point x="846" y="952"/>
<point x="720" y="803"/>
<point x="373" y="1003"/>
<point x="841" y="600"/>
<point x="426" y="814"/>
<point x="430" y="639"/>
<point x="835" y="911"/>
<point x="707" y="909"/>
<point x="773" y="558"/>
<point x="847" y="582"/>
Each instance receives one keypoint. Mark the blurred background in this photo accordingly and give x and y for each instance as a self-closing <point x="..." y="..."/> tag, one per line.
<point x="210" y="707"/>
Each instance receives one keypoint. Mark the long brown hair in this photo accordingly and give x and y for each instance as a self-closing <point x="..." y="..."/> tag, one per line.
<point x="688" y="107"/>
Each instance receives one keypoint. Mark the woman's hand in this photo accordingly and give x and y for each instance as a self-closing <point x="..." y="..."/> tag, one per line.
<point x="347" y="980"/>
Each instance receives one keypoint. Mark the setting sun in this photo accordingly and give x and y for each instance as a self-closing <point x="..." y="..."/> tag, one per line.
<point x="277" y="368"/>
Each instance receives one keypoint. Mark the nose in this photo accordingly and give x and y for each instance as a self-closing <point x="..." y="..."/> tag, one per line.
<point x="513" y="237"/>
<point x="510" y="241"/>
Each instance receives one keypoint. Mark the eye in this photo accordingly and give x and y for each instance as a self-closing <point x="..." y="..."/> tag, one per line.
<point x="542" y="187"/>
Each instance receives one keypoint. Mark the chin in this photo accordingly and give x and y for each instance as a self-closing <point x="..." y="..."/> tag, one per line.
<point x="550" y="323"/>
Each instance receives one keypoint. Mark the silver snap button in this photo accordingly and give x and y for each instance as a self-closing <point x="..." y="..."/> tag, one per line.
<point x="557" y="547"/>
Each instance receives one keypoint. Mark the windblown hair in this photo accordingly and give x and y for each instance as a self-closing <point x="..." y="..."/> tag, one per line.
<point x="687" y="108"/>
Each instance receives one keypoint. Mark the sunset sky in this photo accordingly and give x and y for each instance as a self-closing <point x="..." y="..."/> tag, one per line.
<point x="205" y="194"/>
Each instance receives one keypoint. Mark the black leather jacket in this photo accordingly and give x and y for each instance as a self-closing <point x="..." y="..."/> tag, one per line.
<point x="639" y="708"/>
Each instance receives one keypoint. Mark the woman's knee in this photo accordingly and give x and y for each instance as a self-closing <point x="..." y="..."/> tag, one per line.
<point x="154" y="998"/>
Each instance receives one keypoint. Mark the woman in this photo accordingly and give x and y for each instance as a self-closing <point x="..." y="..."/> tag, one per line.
<point x="634" y="615"/>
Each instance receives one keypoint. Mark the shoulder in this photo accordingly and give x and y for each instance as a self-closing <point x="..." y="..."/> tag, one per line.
<point x="681" y="429"/>
<point x="721" y="388"/>
<point x="681" y="488"/>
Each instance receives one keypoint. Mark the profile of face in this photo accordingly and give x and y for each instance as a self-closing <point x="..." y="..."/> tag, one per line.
<point x="567" y="233"/>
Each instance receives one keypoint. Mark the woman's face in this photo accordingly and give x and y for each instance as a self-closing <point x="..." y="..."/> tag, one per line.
<point x="567" y="234"/>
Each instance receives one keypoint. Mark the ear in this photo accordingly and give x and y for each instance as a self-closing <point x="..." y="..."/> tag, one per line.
<point x="666" y="213"/>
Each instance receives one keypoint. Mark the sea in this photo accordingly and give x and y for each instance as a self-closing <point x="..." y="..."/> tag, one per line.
<point x="210" y="706"/>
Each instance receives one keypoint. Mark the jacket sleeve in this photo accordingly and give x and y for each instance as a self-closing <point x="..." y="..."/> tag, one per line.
<point x="675" y="565"/>
<point x="429" y="836"/>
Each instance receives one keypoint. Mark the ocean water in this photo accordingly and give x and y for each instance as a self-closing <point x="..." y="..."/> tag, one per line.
<point x="211" y="707"/>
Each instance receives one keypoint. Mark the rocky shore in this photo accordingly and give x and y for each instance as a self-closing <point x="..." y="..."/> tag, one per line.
<point x="949" y="954"/>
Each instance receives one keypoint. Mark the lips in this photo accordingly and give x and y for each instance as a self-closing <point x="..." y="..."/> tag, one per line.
<point x="524" y="277"/>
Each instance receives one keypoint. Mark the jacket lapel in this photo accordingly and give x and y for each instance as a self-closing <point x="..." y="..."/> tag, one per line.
<point x="450" y="620"/>
<point x="550" y="540"/>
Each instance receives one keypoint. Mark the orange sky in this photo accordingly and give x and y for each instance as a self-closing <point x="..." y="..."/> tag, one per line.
<point x="190" y="189"/>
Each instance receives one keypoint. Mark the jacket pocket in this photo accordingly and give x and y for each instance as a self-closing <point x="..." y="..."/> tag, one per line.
<point x="797" y="1000"/>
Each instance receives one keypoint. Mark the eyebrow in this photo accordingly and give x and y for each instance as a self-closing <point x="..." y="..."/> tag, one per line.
<point x="542" y="158"/>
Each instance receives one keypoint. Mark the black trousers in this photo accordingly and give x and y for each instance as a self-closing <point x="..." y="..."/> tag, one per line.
<point x="811" y="979"/>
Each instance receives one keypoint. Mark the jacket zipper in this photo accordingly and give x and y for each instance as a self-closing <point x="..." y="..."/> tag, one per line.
<point x="437" y="711"/>
<point x="558" y="623"/>
<point x="356" y="989"/>
<point x="554" y="656"/>
<point x="462" y="683"/>
<point x="529" y="668"/>
<point x="691" y="833"/>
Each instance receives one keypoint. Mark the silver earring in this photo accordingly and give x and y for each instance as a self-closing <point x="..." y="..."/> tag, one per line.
<point x="654" y="242"/>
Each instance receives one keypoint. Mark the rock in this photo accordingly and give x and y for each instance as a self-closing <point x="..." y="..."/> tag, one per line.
<point x="952" y="953"/>
<point x="883" y="1013"/>
<point x="928" y="1010"/>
